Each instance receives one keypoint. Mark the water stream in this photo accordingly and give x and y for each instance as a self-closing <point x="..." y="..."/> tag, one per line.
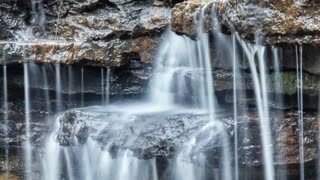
<point x="27" y="146"/>
<point x="98" y="142"/>
<point x="5" y="118"/>
<point x="299" y="64"/>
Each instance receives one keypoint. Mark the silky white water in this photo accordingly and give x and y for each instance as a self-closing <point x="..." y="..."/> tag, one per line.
<point x="183" y="78"/>
<point x="102" y="87"/>
<point x="260" y="83"/>
<point x="82" y="87"/>
<point x="58" y="87"/>
<point x="46" y="88"/>
<point x="5" y="119"/>
<point x="235" y="107"/>
<point x="108" y="76"/>
<point x="27" y="146"/>
<point x="299" y="67"/>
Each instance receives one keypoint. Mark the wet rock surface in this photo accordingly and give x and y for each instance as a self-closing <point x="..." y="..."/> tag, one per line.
<point x="274" y="22"/>
<point x="100" y="33"/>
<point x="147" y="135"/>
<point x="162" y="134"/>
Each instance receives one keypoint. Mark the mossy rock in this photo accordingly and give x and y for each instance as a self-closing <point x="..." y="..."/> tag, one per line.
<point x="10" y="177"/>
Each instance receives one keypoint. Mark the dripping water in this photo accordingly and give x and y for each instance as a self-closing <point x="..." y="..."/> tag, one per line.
<point x="235" y="109"/>
<point x="70" y="83"/>
<point x="58" y="88"/>
<point x="5" y="118"/>
<point x="102" y="86"/>
<point x="82" y="87"/>
<point x="28" y="147"/>
<point x="108" y="86"/>
<point x="260" y="88"/>
<point x="46" y="89"/>
<point x="278" y="100"/>
<point x="59" y="18"/>
<point x="299" y="67"/>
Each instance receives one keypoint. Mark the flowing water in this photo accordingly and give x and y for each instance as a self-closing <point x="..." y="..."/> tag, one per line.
<point x="82" y="87"/>
<point x="108" y="77"/>
<point x="182" y="82"/>
<point x="102" y="86"/>
<point x="58" y="88"/>
<point x="261" y="95"/>
<point x="28" y="146"/>
<point x="46" y="89"/>
<point x="300" y="108"/>
<point x="5" y="118"/>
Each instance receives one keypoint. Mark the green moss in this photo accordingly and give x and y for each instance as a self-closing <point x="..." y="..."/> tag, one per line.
<point x="288" y="81"/>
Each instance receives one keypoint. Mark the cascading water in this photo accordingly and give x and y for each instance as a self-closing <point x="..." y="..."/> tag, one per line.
<point x="108" y="86"/>
<point x="182" y="82"/>
<point x="5" y="118"/>
<point x="58" y="87"/>
<point x="46" y="89"/>
<point x="260" y="83"/>
<point x="70" y="83"/>
<point x="27" y="146"/>
<point x="82" y="87"/>
<point x="102" y="86"/>
<point x="235" y="108"/>
<point x="300" y="109"/>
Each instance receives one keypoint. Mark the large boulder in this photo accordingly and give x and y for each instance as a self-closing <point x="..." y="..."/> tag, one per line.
<point x="166" y="133"/>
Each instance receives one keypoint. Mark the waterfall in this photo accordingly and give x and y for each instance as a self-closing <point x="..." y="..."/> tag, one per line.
<point x="5" y="118"/>
<point x="102" y="86"/>
<point x="185" y="78"/>
<point x="70" y="83"/>
<point x="82" y="87"/>
<point x="108" y="86"/>
<point x="38" y="14"/>
<point x="235" y="109"/>
<point x="28" y="147"/>
<point x="50" y="163"/>
<point x="278" y="102"/>
<point x="46" y="88"/>
<point x="260" y="88"/>
<point x="93" y="163"/>
<point x="189" y="160"/>
<point x="58" y="88"/>
<point x="299" y="67"/>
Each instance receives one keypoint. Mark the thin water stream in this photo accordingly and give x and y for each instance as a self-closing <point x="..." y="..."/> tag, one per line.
<point x="299" y="67"/>
<point x="5" y="119"/>
<point x="183" y="81"/>
<point x="27" y="146"/>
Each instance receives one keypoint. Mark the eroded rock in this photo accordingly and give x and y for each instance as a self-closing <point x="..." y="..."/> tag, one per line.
<point x="274" y="22"/>
<point x="164" y="133"/>
<point x="102" y="33"/>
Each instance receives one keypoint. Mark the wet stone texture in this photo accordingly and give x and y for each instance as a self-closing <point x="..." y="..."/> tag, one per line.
<point x="164" y="133"/>
<point x="101" y="33"/>
<point x="274" y="22"/>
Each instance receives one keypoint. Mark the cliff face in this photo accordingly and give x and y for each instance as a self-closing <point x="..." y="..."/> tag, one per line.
<point x="95" y="32"/>
<point x="277" y="22"/>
